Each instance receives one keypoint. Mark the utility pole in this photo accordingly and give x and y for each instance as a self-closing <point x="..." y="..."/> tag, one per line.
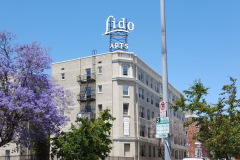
<point x="167" y="140"/>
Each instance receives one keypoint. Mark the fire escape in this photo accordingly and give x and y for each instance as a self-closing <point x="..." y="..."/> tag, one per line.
<point x="87" y="95"/>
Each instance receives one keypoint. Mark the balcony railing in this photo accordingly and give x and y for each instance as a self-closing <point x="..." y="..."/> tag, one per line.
<point x="86" y="78"/>
<point x="86" y="114"/>
<point x="83" y="97"/>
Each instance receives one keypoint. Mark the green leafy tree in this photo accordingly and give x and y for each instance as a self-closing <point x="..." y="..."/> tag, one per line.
<point x="89" y="141"/>
<point x="219" y="123"/>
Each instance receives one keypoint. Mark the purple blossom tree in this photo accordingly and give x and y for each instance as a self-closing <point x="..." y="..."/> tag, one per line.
<point x="31" y="105"/>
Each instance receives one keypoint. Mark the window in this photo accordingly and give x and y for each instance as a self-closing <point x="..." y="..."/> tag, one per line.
<point x="63" y="76"/>
<point x="100" y="107"/>
<point x="198" y="152"/>
<point x="148" y="114"/>
<point x="151" y="99"/>
<point x="88" y="92"/>
<point x="151" y="83"/>
<point x="185" y="154"/>
<point x="140" y="76"/>
<point x="147" y="80"/>
<point x="88" y="73"/>
<point x="176" y="154"/>
<point x="180" y="155"/>
<point x="88" y="108"/>
<point x="157" y="87"/>
<point x="150" y="151"/>
<point x="141" y="93"/>
<point x="149" y="132"/>
<point x="125" y="70"/>
<point x="99" y="88"/>
<point x="159" y="153"/>
<point x="147" y="97"/>
<point x="142" y="150"/>
<point x="152" y="115"/>
<point x="157" y="103"/>
<point x="126" y="149"/>
<point x="173" y="98"/>
<point x="100" y="70"/>
<point x="125" y="90"/>
<point x="153" y="151"/>
<point x="7" y="154"/>
<point x="142" y="130"/>
<point x="183" y="119"/>
<point x="125" y="108"/>
<point x="142" y="112"/>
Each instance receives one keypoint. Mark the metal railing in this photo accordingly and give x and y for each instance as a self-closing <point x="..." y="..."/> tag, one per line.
<point x="86" y="78"/>
<point x="85" y="97"/>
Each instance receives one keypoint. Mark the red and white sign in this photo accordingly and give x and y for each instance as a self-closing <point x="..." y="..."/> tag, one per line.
<point x="163" y="109"/>
<point x="163" y="105"/>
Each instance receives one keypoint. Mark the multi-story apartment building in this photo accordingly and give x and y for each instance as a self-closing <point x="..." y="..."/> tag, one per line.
<point x="132" y="90"/>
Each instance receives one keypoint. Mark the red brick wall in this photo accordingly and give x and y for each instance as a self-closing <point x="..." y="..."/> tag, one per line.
<point x="191" y="132"/>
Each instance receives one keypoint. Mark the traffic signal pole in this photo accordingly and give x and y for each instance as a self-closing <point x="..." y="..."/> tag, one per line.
<point x="167" y="140"/>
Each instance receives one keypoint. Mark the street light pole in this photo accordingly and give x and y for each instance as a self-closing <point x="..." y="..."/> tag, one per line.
<point x="167" y="141"/>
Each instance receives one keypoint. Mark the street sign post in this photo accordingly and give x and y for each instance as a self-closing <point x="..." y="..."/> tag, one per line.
<point x="162" y="127"/>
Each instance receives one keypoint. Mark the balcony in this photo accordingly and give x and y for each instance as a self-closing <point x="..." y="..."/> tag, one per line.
<point x="87" y="113"/>
<point x="83" y="97"/>
<point x="86" y="78"/>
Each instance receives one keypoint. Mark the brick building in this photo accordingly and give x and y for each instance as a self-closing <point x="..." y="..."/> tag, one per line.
<point x="195" y="148"/>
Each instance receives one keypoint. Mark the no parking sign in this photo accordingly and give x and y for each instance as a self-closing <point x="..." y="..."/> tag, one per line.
<point x="163" y="109"/>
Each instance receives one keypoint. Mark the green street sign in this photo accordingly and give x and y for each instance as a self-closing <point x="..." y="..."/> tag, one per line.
<point x="163" y="120"/>
<point x="161" y="135"/>
<point x="162" y="127"/>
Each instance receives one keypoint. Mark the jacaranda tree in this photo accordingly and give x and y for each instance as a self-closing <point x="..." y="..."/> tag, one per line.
<point x="29" y="100"/>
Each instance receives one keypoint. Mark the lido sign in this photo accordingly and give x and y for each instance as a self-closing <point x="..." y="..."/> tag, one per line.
<point x="113" y="28"/>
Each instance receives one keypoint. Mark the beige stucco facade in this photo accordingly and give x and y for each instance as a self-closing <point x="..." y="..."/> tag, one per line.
<point x="132" y="90"/>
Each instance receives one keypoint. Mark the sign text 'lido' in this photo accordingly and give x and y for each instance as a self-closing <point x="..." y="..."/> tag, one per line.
<point x="120" y="26"/>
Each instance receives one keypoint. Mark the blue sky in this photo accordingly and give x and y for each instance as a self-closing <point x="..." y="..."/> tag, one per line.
<point x="203" y="36"/>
